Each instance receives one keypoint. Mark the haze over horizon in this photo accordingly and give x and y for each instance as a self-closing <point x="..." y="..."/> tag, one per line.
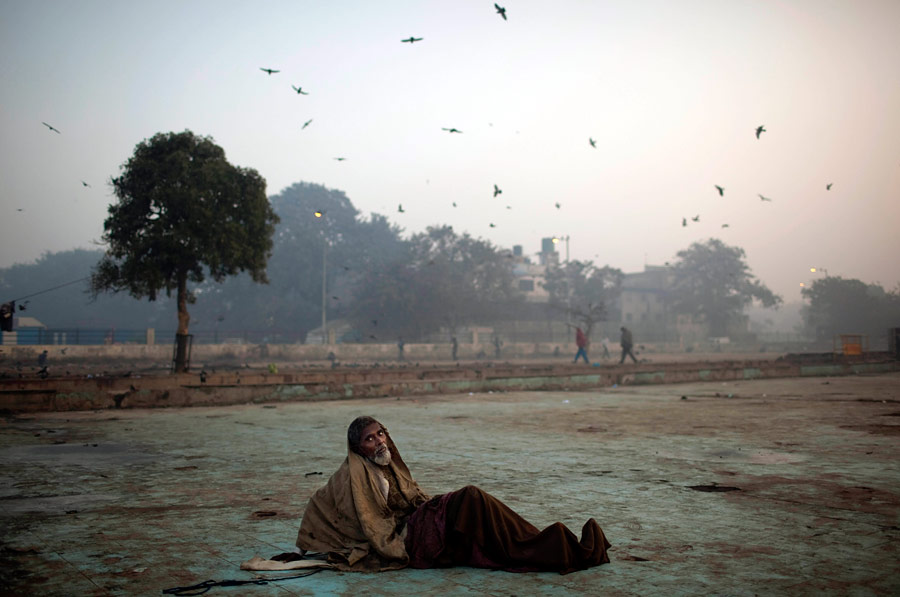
<point x="671" y="93"/>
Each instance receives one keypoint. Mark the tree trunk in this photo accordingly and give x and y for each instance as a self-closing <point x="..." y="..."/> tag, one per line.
<point x="184" y="318"/>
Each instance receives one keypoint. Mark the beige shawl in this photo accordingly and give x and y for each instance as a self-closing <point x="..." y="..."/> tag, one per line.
<point x="349" y="517"/>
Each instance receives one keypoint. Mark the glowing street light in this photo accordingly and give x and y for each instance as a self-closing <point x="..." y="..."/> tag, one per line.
<point x="819" y="269"/>
<point x="557" y="239"/>
<point x="319" y="213"/>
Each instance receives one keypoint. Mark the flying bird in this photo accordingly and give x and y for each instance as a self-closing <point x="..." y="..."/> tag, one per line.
<point x="269" y="70"/>
<point x="451" y="130"/>
<point x="55" y="130"/>
<point x="299" y="90"/>
<point x="828" y="186"/>
<point x="400" y="208"/>
<point x="84" y="184"/>
<point x="492" y="225"/>
<point x="557" y="205"/>
<point x="683" y="222"/>
<point x="306" y="124"/>
<point x="340" y="159"/>
<point x="500" y="10"/>
<point x="724" y="225"/>
<point x="454" y="204"/>
<point x="411" y="40"/>
<point x="497" y="190"/>
<point x="764" y="198"/>
<point x="696" y="218"/>
<point x="721" y="190"/>
<point x="760" y="130"/>
<point x="592" y="142"/>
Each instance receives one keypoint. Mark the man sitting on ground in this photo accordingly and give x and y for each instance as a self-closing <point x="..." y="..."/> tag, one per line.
<point x="372" y="515"/>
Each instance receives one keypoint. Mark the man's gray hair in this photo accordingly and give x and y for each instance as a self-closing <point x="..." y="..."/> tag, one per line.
<point x="354" y="432"/>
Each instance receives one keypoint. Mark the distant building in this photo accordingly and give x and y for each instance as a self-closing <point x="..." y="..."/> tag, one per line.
<point x="645" y="310"/>
<point x="530" y="277"/>
<point x="644" y="297"/>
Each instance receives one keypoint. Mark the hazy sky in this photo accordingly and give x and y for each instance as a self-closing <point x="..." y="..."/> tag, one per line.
<point x="671" y="91"/>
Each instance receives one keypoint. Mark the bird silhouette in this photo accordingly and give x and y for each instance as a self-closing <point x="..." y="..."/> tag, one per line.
<point x="84" y="184"/>
<point x="411" y="40"/>
<point x="269" y="70"/>
<point x="764" y="198"/>
<point x="557" y="205"/>
<point x="299" y="90"/>
<point x="724" y="225"/>
<point x="721" y="190"/>
<point x="828" y="186"/>
<point x="454" y="204"/>
<point x="760" y="130"/>
<point x="55" y="130"/>
<point x="497" y="190"/>
<point x="696" y="218"/>
<point x="451" y="130"/>
<point x="500" y="10"/>
<point x="492" y="225"/>
<point x="683" y="222"/>
<point x="400" y="208"/>
<point x="306" y="124"/>
<point x="592" y="142"/>
<point x="340" y="159"/>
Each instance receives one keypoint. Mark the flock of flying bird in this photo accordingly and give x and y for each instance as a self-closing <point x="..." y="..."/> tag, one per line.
<point x="410" y="40"/>
<point x="452" y="130"/>
<point x="721" y="190"/>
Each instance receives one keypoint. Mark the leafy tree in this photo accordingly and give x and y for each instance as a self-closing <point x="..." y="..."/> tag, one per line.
<point x="444" y="279"/>
<point x="584" y="291"/>
<point x="712" y="282"/>
<point x="183" y="211"/>
<point x="292" y="302"/>
<point x="850" y="306"/>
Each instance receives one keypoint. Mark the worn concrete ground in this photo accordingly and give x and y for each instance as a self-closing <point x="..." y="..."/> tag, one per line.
<point x="787" y="486"/>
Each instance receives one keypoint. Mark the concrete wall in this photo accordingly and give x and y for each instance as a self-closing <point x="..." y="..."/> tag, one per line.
<point x="235" y="387"/>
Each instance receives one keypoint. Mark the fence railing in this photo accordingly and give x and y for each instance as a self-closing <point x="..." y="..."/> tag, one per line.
<point x="87" y="337"/>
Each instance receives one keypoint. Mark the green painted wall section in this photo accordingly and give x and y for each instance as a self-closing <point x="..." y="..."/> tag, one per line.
<point x="650" y="377"/>
<point x="752" y="373"/>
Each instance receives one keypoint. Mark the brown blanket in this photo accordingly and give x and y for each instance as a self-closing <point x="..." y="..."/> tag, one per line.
<point x="349" y="518"/>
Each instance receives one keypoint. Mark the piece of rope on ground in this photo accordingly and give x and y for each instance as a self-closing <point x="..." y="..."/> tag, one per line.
<point x="203" y="587"/>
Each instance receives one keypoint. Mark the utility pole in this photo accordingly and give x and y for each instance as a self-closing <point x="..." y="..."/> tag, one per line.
<point x="324" y="290"/>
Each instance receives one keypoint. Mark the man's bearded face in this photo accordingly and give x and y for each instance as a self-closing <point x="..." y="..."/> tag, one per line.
<point x="373" y="445"/>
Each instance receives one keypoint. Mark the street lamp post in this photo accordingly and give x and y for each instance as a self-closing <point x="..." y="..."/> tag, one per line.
<point x="324" y="291"/>
<point x="319" y="214"/>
